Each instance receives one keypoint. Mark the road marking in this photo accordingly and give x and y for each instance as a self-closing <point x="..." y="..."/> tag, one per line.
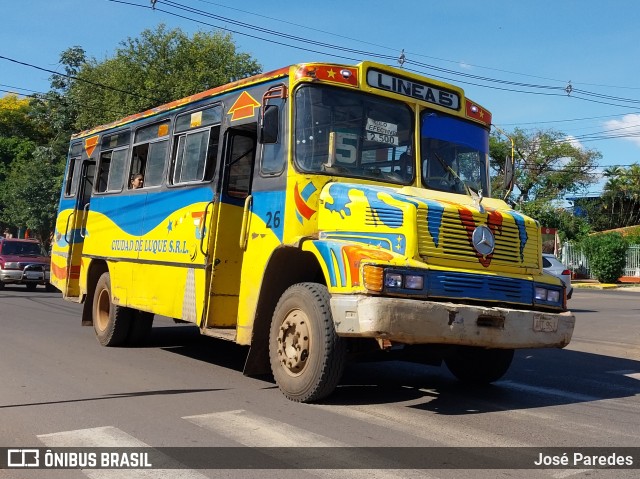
<point x="549" y="391"/>
<point x="253" y="430"/>
<point x="569" y="472"/>
<point x="113" y="437"/>
<point x="404" y="421"/>
<point x="257" y="431"/>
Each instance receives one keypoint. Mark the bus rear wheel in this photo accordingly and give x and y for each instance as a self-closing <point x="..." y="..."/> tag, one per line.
<point x="479" y="366"/>
<point x="307" y="356"/>
<point x="111" y="322"/>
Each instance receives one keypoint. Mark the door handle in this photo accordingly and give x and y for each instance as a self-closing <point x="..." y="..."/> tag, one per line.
<point x="84" y="219"/>
<point x="203" y="226"/>
<point x="66" y="229"/>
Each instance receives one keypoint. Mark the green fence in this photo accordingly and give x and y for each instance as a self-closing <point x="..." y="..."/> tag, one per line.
<point x="577" y="262"/>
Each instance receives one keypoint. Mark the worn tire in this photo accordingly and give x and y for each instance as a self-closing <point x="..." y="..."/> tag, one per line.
<point x="307" y="356"/>
<point x="111" y="323"/>
<point x="478" y="365"/>
<point x="141" y="325"/>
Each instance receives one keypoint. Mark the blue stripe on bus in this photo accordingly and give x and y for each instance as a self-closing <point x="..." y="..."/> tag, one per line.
<point x="125" y="210"/>
<point x="269" y="206"/>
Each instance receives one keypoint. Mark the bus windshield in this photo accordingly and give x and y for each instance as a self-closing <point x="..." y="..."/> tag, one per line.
<point x="347" y="133"/>
<point x="454" y="154"/>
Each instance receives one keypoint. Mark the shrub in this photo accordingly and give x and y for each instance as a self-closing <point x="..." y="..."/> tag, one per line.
<point x="607" y="255"/>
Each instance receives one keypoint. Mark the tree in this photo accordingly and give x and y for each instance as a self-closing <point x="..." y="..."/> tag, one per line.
<point x="55" y="111"/>
<point x="606" y="253"/>
<point x="160" y="66"/>
<point x="548" y="166"/>
<point x="16" y="133"/>
<point x="27" y="192"/>
<point x="621" y="196"/>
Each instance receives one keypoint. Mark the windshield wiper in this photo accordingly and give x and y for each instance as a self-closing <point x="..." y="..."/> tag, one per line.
<point x="455" y="175"/>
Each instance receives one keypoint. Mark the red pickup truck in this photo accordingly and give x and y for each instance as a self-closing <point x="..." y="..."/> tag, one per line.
<point x="24" y="261"/>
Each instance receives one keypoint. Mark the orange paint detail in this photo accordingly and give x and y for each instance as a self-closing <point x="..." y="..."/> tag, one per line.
<point x="494" y="221"/>
<point x="60" y="272"/>
<point x="90" y="144"/>
<point x="477" y="112"/>
<point x="243" y="107"/>
<point x="163" y="129"/>
<point x="332" y="73"/>
<point x="353" y="256"/>
<point x="303" y="208"/>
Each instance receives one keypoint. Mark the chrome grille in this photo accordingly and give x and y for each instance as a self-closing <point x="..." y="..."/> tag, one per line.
<point x="454" y="240"/>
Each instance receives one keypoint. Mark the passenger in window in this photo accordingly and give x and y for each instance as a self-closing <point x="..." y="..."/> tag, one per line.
<point x="137" y="181"/>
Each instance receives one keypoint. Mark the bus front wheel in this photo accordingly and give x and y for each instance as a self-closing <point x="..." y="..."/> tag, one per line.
<point x="110" y="322"/>
<point x="307" y="356"/>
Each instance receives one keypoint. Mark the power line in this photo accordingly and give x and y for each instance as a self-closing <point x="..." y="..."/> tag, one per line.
<point x="182" y="7"/>
<point x="13" y="60"/>
<point x="457" y="62"/>
<point x="18" y="88"/>
<point x="567" y="120"/>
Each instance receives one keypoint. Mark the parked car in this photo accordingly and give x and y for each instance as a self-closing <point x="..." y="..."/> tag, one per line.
<point x="553" y="266"/>
<point x="24" y="261"/>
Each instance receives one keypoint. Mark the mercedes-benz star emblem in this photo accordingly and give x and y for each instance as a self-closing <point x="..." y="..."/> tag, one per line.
<point x="483" y="240"/>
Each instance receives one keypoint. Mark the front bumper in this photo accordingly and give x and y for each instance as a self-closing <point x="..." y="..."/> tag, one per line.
<point x="412" y="321"/>
<point x="16" y="276"/>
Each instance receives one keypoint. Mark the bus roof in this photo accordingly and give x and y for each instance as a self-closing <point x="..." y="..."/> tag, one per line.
<point x="184" y="101"/>
<point x="473" y="111"/>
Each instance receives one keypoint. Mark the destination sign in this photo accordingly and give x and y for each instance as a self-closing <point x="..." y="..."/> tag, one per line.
<point x="413" y="89"/>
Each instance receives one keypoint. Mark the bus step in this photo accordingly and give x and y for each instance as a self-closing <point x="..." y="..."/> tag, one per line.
<point x="222" y="333"/>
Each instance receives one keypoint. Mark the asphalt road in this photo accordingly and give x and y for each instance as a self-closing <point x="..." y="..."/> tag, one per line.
<point x="58" y="388"/>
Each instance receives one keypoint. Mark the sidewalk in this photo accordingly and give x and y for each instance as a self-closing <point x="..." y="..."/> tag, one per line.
<point x="595" y="284"/>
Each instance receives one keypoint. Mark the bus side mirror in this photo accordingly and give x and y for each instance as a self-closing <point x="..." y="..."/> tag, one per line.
<point x="270" y="128"/>
<point x="508" y="175"/>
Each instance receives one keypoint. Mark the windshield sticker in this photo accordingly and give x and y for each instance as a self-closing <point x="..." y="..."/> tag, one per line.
<point x="382" y="131"/>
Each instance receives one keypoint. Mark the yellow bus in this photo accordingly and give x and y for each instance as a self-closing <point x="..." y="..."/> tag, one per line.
<point x="312" y="213"/>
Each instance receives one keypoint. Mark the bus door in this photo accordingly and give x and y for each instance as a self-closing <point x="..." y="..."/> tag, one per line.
<point x="234" y="204"/>
<point x="75" y="230"/>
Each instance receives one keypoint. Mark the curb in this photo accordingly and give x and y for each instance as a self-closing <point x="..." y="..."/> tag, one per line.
<point x="632" y="286"/>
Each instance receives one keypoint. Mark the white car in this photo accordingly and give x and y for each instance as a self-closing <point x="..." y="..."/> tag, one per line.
<point x="553" y="266"/>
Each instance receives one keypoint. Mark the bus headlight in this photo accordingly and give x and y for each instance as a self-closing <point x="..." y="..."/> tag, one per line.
<point x="376" y="278"/>
<point x="553" y="296"/>
<point x="413" y="281"/>
<point x="403" y="280"/>
<point x="548" y="295"/>
<point x="393" y="280"/>
<point x="541" y="293"/>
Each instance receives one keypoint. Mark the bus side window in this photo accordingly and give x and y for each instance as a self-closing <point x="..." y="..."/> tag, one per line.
<point x="196" y="146"/>
<point x="72" y="177"/>
<point x="273" y="158"/>
<point x="111" y="170"/>
<point x="149" y="153"/>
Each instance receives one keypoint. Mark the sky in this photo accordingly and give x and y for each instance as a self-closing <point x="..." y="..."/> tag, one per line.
<point x="568" y="65"/>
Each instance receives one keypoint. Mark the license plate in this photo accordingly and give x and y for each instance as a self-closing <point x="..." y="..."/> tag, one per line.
<point x="33" y="275"/>
<point x="545" y="323"/>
